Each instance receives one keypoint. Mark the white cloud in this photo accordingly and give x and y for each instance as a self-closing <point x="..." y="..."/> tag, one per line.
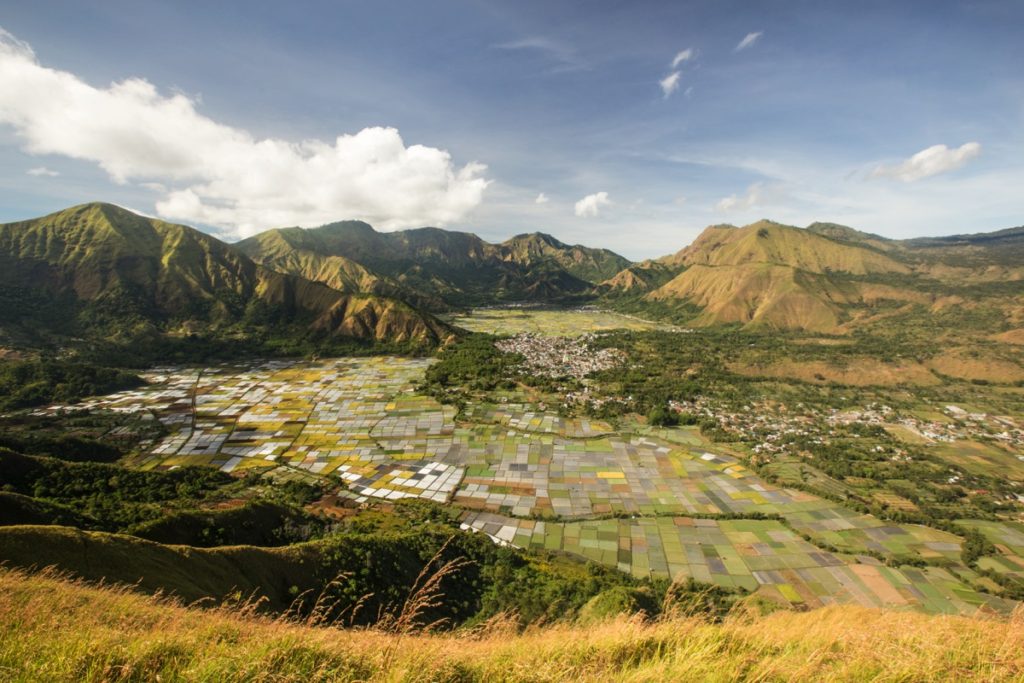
<point x="223" y="176"/>
<point x="754" y="196"/>
<point x="670" y="83"/>
<point x="928" y="162"/>
<point x="683" y="56"/>
<point x="591" y="204"/>
<point x="749" y="40"/>
<point x="541" y="199"/>
<point x="42" y="171"/>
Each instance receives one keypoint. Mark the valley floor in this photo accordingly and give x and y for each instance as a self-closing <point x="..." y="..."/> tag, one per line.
<point x="666" y="504"/>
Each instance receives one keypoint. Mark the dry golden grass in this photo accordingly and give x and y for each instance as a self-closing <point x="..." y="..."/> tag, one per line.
<point x="961" y="364"/>
<point x="52" y="629"/>
<point x="854" y="372"/>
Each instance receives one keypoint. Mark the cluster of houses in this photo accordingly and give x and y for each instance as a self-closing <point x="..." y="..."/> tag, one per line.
<point x="774" y="428"/>
<point x="560" y="356"/>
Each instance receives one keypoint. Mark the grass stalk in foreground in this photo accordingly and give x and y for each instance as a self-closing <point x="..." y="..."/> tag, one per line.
<point x="55" y="629"/>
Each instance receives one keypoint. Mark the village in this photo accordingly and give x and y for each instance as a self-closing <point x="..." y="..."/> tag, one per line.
<point x="558" y="357"/>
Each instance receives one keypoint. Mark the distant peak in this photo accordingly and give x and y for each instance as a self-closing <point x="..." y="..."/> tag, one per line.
<point x="842" y="232"/>
<point x="765" y="223"/>
<point x="344" y="226"/>
<point x="538" y="237"/>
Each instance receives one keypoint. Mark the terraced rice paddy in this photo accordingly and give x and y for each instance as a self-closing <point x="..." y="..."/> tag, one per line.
<point x="659" y="503"/>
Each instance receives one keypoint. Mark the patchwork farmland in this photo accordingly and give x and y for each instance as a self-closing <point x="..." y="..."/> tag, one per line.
<point x="654" y="503"/>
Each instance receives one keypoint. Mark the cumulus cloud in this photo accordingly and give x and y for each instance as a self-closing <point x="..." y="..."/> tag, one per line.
<point x="541" y="199"/>
<point x="670" y="83"/>
<point x="754" y="196"/>
<point x="683" y="56"/>
<point x="749" y="40"/>
<point x="42" y="171"/>
<point x="928" y="162"/>
<point x="220" y="175"/>
<point x="590" y="206"/>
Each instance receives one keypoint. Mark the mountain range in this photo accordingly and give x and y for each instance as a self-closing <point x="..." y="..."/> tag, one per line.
<point x="101" y="270"/>
<point x="437" y="269"/>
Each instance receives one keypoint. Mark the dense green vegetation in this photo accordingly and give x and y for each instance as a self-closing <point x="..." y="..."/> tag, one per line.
<point x="24" y="384"/>
<point x="111" y="497"/>
<point x="472" y="365"/>
<point x="63" y="446"/>
<point x="259" y="522"/>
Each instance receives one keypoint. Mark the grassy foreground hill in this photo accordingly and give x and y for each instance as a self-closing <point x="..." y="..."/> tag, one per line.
<point x="55" y="629"/>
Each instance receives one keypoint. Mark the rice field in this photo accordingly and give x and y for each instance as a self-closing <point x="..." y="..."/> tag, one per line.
<point x="651" y="502"/>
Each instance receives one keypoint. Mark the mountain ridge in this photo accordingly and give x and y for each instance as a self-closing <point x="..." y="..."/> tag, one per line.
<point x="104" y="261"/>
<point x="441" y="268"/>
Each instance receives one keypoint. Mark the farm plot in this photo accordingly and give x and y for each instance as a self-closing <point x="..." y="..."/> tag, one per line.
<point x="761" y="556"/>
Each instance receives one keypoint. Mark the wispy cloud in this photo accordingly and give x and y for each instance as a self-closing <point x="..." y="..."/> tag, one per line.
<point x="755" y="195"/>
<point x="749" y="40"/>
<point x="225" y="176"/>
<point x="42" y="171"/>
<point x="683" y="56"/>
<point x="541" y="199"/>
<point x="670" y="83"/>
<point x="928" y="162"/>
<point x="564" y="56"/>
<point x="590" y="206"/>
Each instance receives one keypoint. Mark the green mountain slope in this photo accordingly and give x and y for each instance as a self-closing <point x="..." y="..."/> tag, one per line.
<point x="103" y="270"/>
<point x="435" y="268"/>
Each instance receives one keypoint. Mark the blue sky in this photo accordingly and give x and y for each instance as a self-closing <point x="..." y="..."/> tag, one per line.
<point x="901" y="118"/>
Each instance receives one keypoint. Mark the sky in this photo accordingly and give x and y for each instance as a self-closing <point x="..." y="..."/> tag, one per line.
<point x="629" y="125"/>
